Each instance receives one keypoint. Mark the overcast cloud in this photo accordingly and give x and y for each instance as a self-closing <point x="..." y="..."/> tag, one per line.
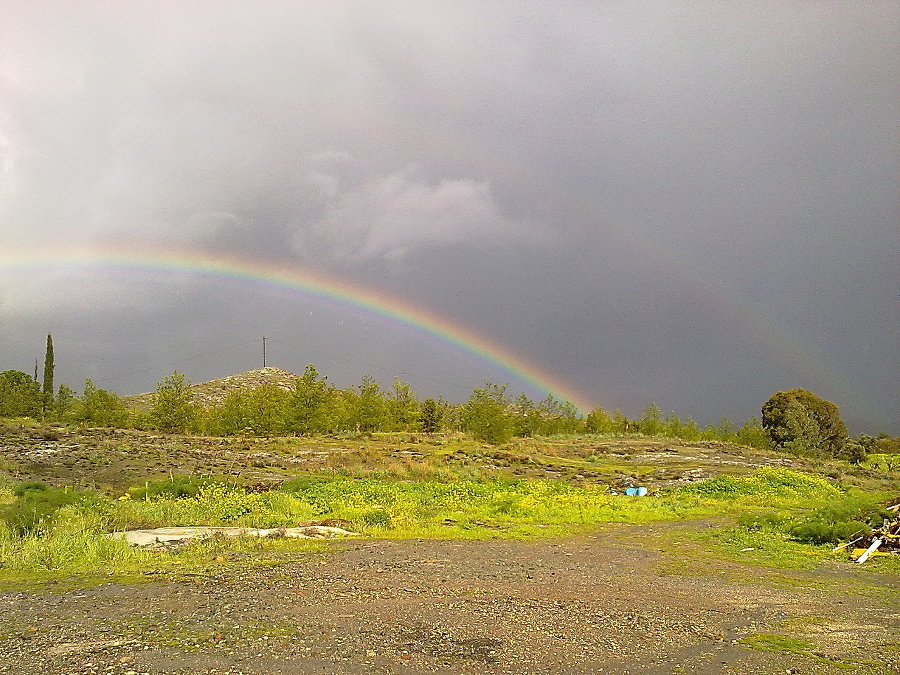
<point x="688" y="203"/>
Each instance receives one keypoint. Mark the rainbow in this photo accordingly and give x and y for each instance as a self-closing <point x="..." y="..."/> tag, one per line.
<point x="315" y="283"/>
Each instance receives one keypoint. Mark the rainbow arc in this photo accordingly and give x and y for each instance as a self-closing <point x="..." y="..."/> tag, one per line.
<point x="314" y="283"/>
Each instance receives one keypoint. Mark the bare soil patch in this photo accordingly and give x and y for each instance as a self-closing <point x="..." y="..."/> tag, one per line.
<point x="603" y="603"/>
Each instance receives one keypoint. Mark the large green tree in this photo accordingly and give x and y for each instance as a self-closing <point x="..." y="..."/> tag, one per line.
<point x="804" y="424"/>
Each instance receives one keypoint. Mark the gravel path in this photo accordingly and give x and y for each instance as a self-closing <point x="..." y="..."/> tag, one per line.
<point x="589" y="604"/>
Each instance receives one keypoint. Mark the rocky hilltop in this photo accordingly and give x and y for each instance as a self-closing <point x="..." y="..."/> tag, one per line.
<point x="214" y="392"/>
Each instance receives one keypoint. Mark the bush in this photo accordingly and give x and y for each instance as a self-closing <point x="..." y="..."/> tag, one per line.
<point x="36" y="506"/>
<point x="378" y="517"/>
<point x="812" y="532"/>
<point x="763" y="481"/>
<point x="22" y="489"/>
<point x="762" y="521"/>
<point x="817" y="532"/>
<point x="850" y="530"/>
<point x="172" y="488"/>
<point x="843" y="520"/>
<point x="854" y="507"/>
<point x="305" y="483"/>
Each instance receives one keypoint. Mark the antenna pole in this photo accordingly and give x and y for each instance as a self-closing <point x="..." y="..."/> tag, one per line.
<point x="264" y="352"/>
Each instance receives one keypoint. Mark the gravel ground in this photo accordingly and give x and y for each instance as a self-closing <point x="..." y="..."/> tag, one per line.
<point x="589" y="604"/>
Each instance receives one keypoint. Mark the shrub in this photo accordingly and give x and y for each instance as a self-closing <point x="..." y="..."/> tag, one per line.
<point x="377" y="518"/>
<point x="854" y="507"/>
<point x="842" y="520"/>
<point x="850" y="530"/>
<point x="817" y="532"/>
<point x="304" y="483"/>
<point x="762" y="521"/>
<point x="813" y="532"/>
<point x="36" y="506"/>
<point x="172" y="488"/>
<point x="762" y="481"/>
<point x="22" y="489"/>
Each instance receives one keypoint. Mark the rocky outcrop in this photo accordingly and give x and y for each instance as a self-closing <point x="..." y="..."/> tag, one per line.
<point x="214" y="392"/>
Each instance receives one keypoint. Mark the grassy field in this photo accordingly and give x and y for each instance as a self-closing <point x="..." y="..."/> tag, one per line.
<point x="94" y="482"/>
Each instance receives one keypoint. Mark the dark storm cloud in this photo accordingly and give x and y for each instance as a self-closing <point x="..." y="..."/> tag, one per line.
<point x="688" y="202"/>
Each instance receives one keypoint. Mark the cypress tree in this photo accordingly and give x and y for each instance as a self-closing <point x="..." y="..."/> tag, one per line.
<point x="48" y="373"/>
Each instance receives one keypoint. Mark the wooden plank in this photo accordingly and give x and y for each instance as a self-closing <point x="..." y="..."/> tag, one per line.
<point x="869" y="551"/>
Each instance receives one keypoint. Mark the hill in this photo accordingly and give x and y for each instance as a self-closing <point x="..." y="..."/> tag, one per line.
<point x="214" y="392"/>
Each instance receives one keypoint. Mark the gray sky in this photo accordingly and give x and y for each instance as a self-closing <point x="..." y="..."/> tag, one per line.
<point x="689" y="203"/>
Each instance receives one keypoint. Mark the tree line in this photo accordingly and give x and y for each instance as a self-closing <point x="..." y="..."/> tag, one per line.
<point x="315" y="407"/>
<point x="796" y="421"/>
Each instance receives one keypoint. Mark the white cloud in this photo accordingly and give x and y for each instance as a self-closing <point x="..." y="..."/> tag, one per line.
<point x="393" y="216"/>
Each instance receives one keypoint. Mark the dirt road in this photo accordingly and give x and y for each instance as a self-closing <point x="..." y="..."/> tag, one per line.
<point x="614" y="602"/>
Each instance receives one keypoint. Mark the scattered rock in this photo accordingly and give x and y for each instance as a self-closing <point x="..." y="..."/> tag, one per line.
<point x="67" y="648"/>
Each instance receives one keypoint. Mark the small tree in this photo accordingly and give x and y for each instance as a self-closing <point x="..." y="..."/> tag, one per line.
<point x="173" y="405"/>
<point x="598" y="422"/>
<point x="672" y="426"/>
<point x="267" y="408"/>
<point x="430" y="418"/>
<point x="484" y="415"/>
<point x="651" y="422"/>
<point x="20" y="395"/>
<point x="620" y="423"/>
<point x="690" y="430"/>
<point x="754" y="435"/>
<point x="526" y="418"/>
<point x="367" y="406"/>
<point x="727" y="430"/>
<point x="228" y="417"/>
<point x="316" y="407"/>
<point x="403" y="409"/>
<point x="99" y="407"/>
<point x="558" y="417"/>
<point x="64" y="402"/>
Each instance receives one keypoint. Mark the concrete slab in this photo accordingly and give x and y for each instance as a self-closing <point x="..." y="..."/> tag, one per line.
<point x="169" y="536"/>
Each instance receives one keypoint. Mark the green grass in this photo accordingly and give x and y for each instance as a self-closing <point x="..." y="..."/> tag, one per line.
<point x="774" y="642"/>
<point x="779" y="642"/>
<point x="202" y="635"/>
<point x="73" y="541"/>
